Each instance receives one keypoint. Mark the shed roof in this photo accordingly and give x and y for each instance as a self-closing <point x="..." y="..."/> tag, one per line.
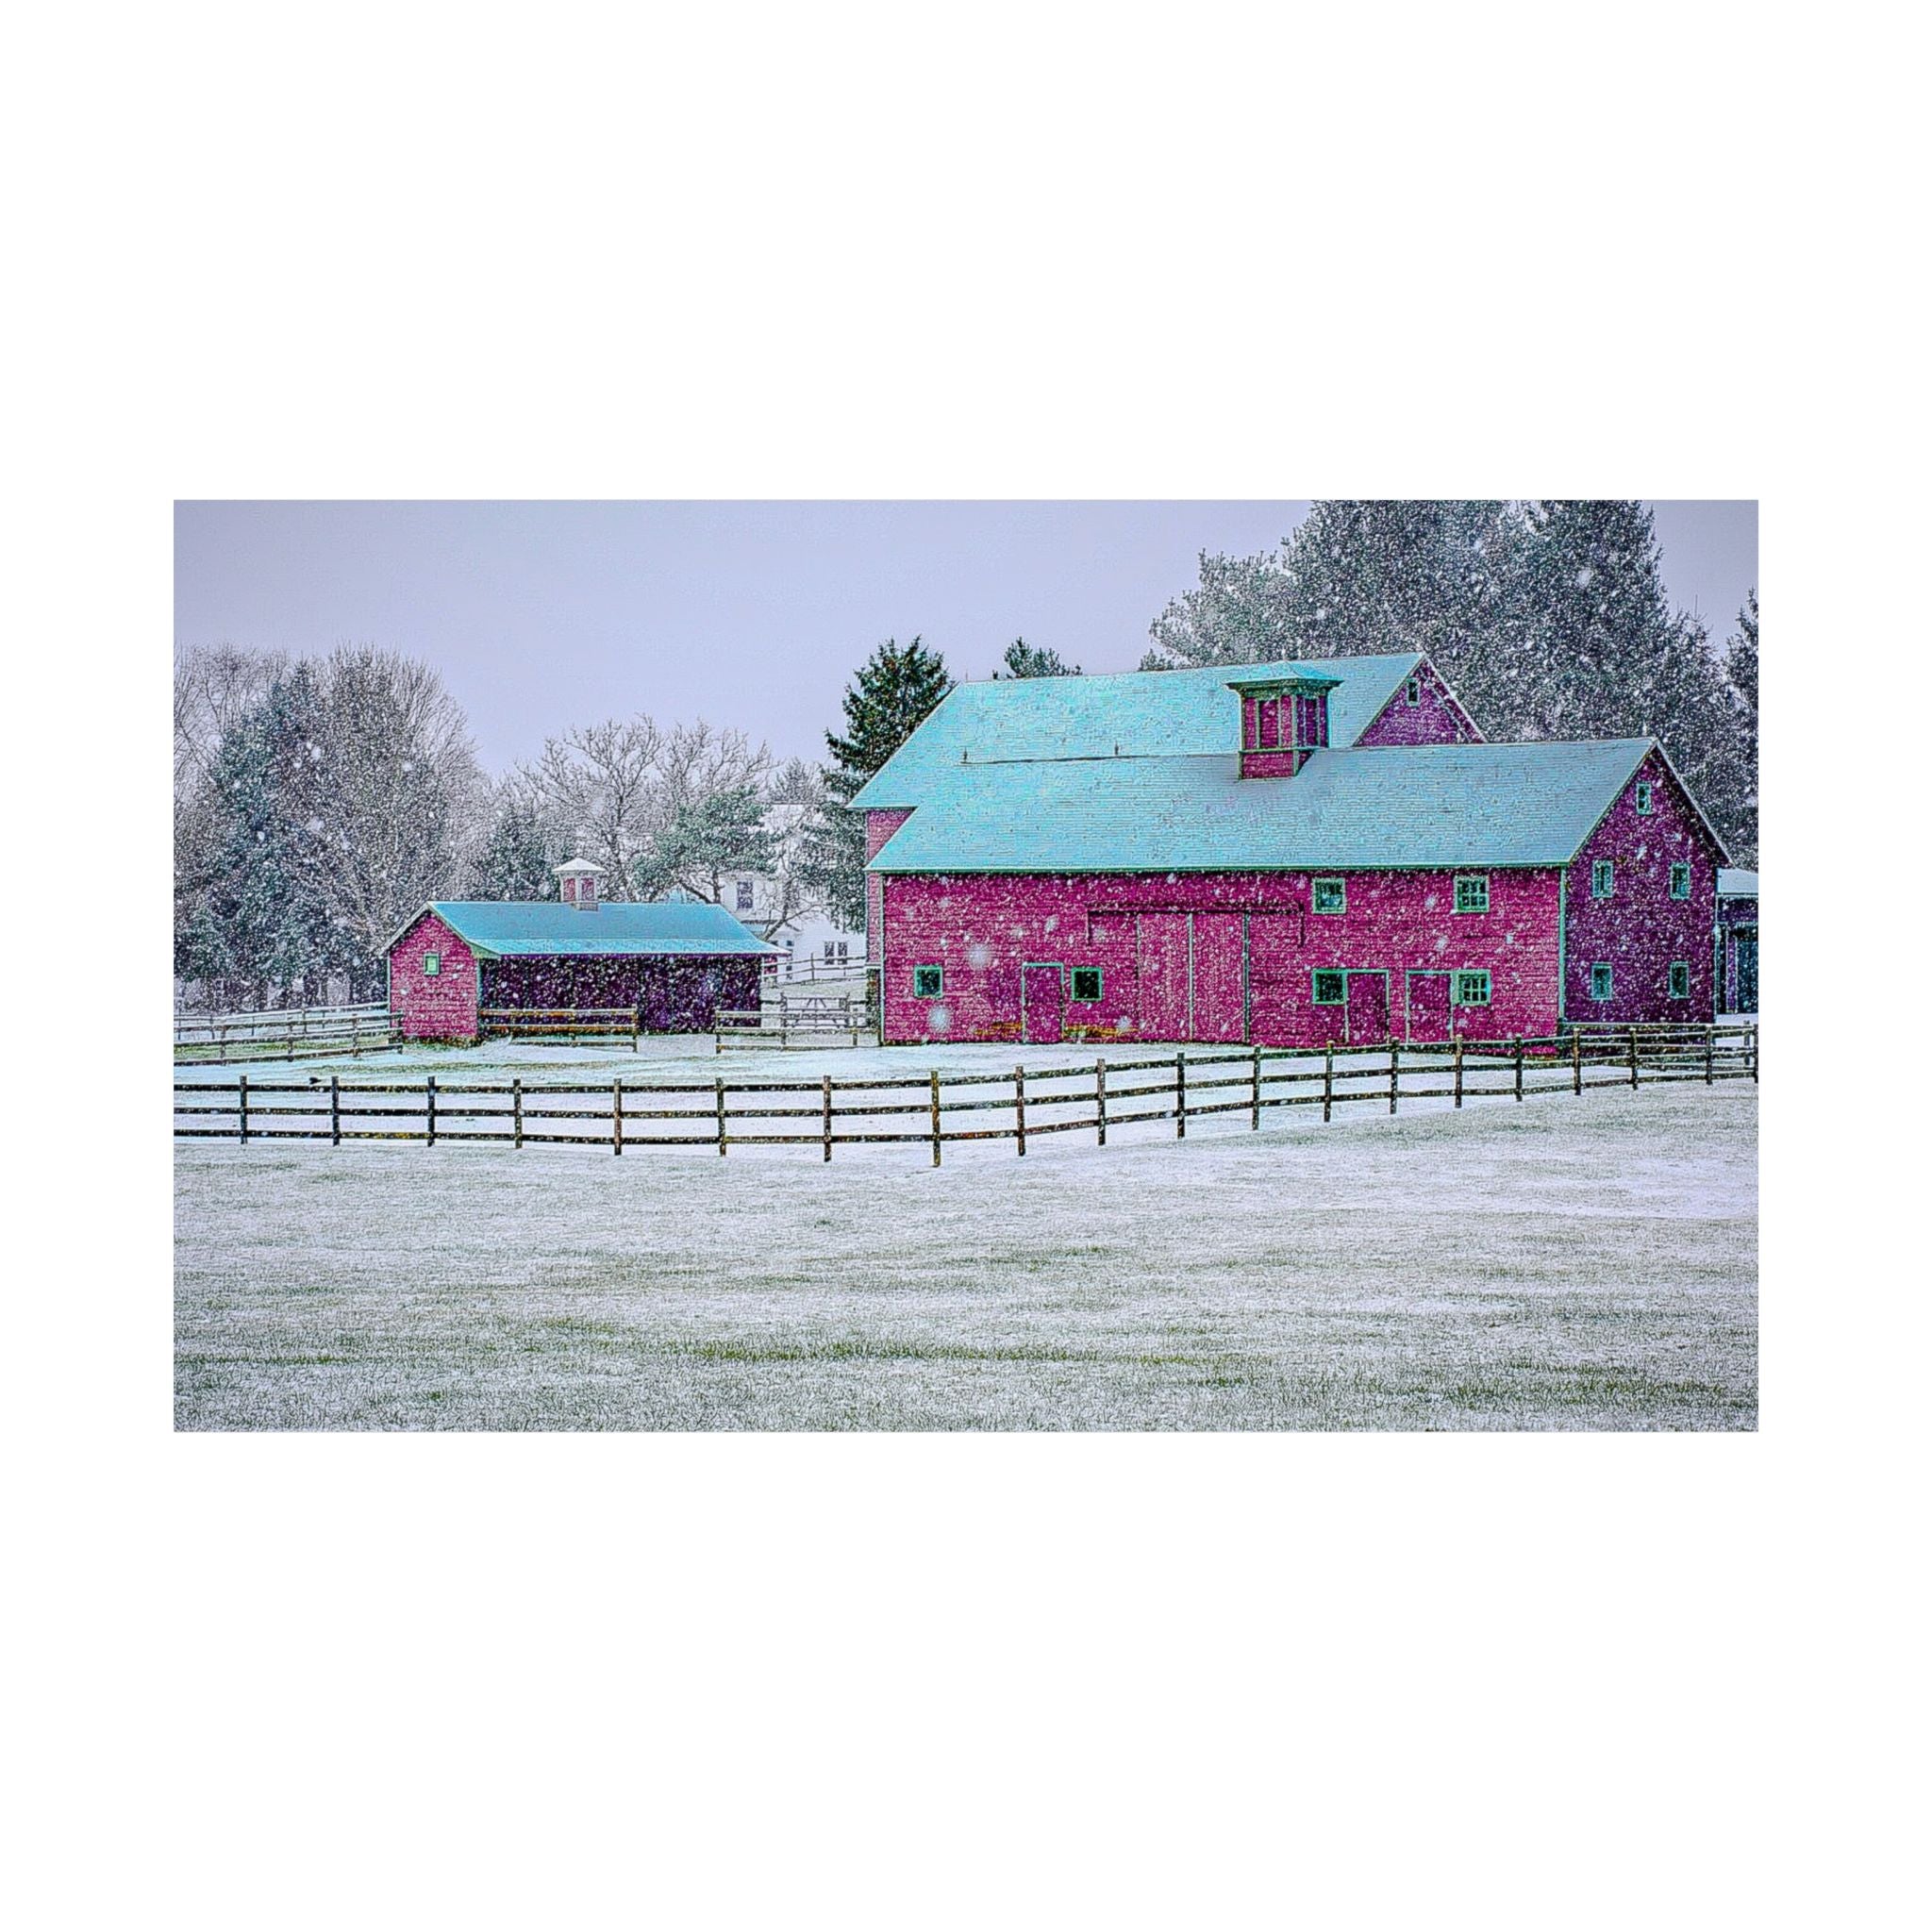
<point x="549" y="928"/>
<point x="1141" y="713"/>
<point x="1434" y="805"/>
<point x="1733" y="884"/>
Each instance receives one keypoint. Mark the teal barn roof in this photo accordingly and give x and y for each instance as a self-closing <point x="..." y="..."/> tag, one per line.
<point x="1136" y="713"/>
<point x="549" y="928"/>
<point x="1410" y="805"/>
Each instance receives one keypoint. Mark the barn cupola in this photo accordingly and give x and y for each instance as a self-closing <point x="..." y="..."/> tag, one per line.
<point x="578" y="880"/>
<point x="1284" y="719"/>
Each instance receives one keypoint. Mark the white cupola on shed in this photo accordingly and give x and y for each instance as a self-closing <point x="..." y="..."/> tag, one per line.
<point x="578" y="881"/>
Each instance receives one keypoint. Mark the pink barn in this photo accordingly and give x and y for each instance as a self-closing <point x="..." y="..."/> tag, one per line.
<point x="1294" y="853"/>
<point x="673" y="962"/>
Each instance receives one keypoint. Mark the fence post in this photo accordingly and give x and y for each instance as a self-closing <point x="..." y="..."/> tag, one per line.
<point x="335" y="1110"/>
<point x="516" y="1107"/>
<point x="1327" y="1080"/>
<point x="1754" y="1050"/>
<point x="1020" y="1107"/>
<point x="721" y="1118"/>
<point x="1633" y="1056"/>
<point x="1394" y="1074"/>
<point x="617" y="1116"/>
<point x="1519" y="1066"/>
<point x="634" y="1028"/>
<point x="1458" y="1071"/>
<point x="828" y="1115"/>
<point x="1255" y="1101"/>
<point x="244" y="1109"/>
<point x="935" y="1116"/>
<point x="1576" y="1061"/>
<point x="1180" y="1096"/>
<point x="1100" y="1097"/>
<point x="1710" y="1058"/>
<point x="429" y="1088"/>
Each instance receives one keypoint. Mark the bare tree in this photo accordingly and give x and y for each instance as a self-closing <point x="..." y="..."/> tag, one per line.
<point x="598" y="784"/>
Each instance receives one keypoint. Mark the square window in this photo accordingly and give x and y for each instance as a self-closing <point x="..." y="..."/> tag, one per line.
<point x="1331" y="896"/>
<point x="1680" y="881"/>
<point x="1472" y="892"/>
<point x="1600" y="982"/>
<point x="745" y="895"/>
<point x="1644" y="798"/>
<point x="1086" y="982"/>
<point x="1331" y="988"/>
<point x="1414" y="693"/>
<point x="1472" y="989"/>
<point x="928" y="982"/>
<point x="1680" y="980"/>
<point x="432" y="965"/>
<point x="1603" y="879"/>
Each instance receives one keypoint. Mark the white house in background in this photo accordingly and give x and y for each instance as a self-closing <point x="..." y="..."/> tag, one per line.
<point x="756" y="898"/>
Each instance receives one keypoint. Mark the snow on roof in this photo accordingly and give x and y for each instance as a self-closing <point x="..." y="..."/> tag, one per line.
<point x="1433" y="804"/>
<point x="546" y="928"/>
<point x="576" y="865"/>
<point x="1138" y="713"/>
<point x="1733" y="884"/>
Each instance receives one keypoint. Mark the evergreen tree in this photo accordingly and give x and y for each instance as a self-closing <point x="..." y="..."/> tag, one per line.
<point x="1035" y="660"/>
<point x="706" y="839"/>
<point x="517" y="860"/>
<point x="1741" y="674"/>
<point x="895" y="687"/>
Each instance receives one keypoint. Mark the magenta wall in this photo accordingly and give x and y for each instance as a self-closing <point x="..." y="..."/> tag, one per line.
<point x="1437" y="718"/>
<point x="983" y="929"/>
<point x="1641" y="929"/>
<point x="880" y="826"/>
<point x="444" y="1008"/>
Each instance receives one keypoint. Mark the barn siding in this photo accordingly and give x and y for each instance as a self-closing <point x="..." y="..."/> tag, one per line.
<point x="670" y="992"/>
<point x="983" y="929"/>
<point x="880" y="826"/>
<point x="444" y="1008"/>
<point x="1641" y="929"/>
<point x="1438" y="719"/>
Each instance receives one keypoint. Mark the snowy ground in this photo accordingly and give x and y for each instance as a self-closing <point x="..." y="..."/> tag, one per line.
<point x="1563" y="1264"/>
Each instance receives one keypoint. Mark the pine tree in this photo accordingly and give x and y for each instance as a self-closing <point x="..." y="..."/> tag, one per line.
<point x="1035" y="660"/>
<point x="705" y="841"/>
<point x="517" y="860"/>
<point x="895" y="688"/>
<point x="1741" y="674"/>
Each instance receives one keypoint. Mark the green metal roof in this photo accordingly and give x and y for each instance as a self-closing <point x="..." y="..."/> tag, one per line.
<point x="1434" y="805"/>
<point x="548" y="928"/>
<point x="1141" y="713"/>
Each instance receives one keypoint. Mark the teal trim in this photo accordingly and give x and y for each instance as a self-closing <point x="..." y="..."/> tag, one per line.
<point x="1412" y="691"/>
<point x="1470" y="988"/>
<point x="1328" y="895"/>
<point x="1473" y="888"/>
<point x="1603" y="878"/>
<point x="1680" y="980"/>
<point x="1680" y="880"/>
<point x="432" y="965"/>
<point x="1602" y="982"/>
<point x="1338" y="982"/>
<point x="1090" y="977"/>
<point x="1645" y="798"/>
<point x="928" y="982"/>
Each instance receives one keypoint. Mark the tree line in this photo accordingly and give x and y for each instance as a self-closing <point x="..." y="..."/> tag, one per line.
<point x="320" y="803"/>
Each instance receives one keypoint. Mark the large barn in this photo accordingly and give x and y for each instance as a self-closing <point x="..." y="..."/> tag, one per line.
<point x="673" y="963"/>
<point x="1291" y="854"/>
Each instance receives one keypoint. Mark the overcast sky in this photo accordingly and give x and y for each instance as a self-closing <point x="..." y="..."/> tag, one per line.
<point x="542" y="615"/>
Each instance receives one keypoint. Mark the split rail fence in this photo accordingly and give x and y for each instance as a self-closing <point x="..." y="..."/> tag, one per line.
<point x="565" y="1023"/>
<point x="292" y="1033"/>
<point x="932" y="1110"/>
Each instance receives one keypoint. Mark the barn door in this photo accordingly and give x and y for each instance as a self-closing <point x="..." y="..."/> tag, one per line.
<point x="1043" y="1003"/>
<point x="1161" y="958"/>
<point x="1368" y="1009"/>
<point x="1220" y="1004"/>
<point x="1747" y="972"/>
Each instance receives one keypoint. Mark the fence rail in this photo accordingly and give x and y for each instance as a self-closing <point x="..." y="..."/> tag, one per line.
<point x="561" y="1022"/>
<point x="933" y="1109"/>
<point x="293" y="1033"/>
<point x="797" y="1020"/>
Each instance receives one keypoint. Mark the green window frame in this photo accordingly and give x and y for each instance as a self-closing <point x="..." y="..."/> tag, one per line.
<point x="1414" y="693"/>
<point x="1603" y="878"/>
<point x="1330" y="987"/>
<point x="432" y="965"/>
<point x="1603" y="982"/>
<point x="1680" y="980"/>
<point x="1645" y="797"/>
<point x="1469" y="989"/>
<point x="1087" y="983"/>
<point x="1472" y="892"/>
<point x="1328" y="895"/>
<point x="928" y="982"/>
<point x="1680" y="880"/>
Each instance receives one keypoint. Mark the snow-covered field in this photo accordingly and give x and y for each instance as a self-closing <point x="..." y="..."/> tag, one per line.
<point x="1562" y="1264"/>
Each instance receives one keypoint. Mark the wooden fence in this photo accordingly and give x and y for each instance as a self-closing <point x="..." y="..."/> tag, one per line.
<point x="799" y="1020"/>
<point x="293" y="1033"/>
<point x="927" y="1110"/>
<point x="566" y="1024"/>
